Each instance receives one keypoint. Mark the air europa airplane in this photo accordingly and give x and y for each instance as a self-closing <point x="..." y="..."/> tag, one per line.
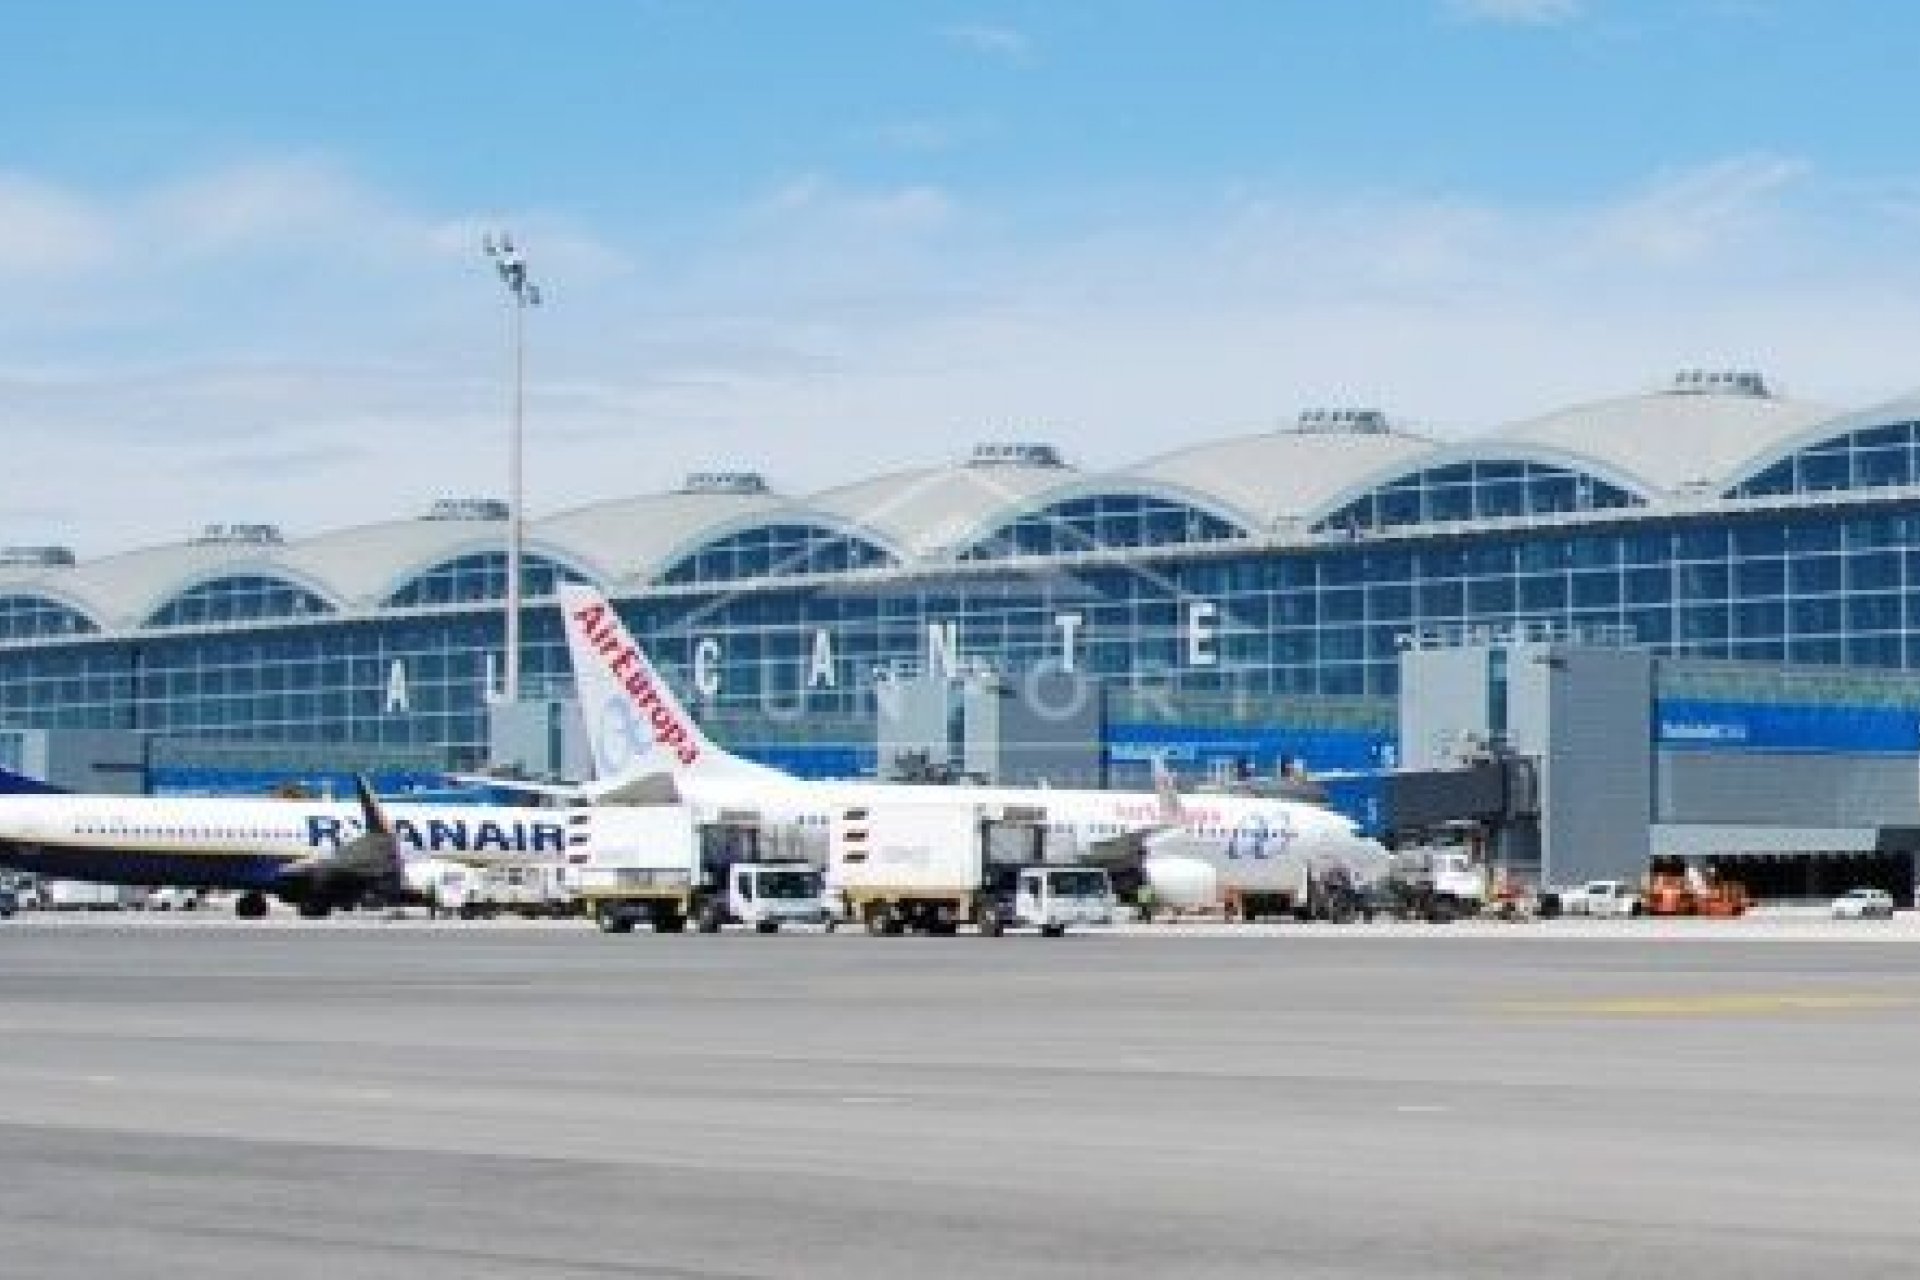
<point x="1186" y="846"/>
<point x="312" y="854"/>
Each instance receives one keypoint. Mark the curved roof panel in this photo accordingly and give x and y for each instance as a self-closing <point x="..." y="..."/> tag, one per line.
<point x="121" y="592"/>
<point x="627" y="542"/>
<point x="1481" y="450"/>
<point x="1905" y="409"/>
<point x="1675" y="440"/>
<point x="1275" y="477"/>
<point x="934" y="511"/>
<point x="365" y="565"/>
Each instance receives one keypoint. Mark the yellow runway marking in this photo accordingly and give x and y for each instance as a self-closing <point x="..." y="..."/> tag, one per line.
<point x="1710" y="1005"/>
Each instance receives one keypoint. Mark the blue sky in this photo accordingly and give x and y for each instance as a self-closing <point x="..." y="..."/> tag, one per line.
<point x="240" y="251"/>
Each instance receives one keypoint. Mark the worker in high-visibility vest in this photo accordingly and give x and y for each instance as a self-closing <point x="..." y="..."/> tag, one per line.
<point x="1143" y="902"/>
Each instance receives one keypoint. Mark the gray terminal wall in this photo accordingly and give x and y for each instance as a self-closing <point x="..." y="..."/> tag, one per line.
<point x="1587" y="714"/>
<point x="1443" y="705"/>
<point x="1583" y="712"/>
<point x="1786" y="790"/>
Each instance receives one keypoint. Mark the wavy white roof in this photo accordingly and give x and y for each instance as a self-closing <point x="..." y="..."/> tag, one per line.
<point x="1670" y="441"/>
<point x="932" y="511"/>
<point x="1273" y="478"/>
<point x="1706" y="436"/>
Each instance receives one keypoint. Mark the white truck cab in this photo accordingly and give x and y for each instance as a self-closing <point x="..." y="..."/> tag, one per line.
<point x="1052" y="898"/>
<point x="1602" y="898"/>
<point x="767" y="895"/>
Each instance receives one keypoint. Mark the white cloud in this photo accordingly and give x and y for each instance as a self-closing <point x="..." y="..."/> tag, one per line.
<point x="46" y="231"/>
<point x="826" y="204"/>
<point x="1533" y="13"/>
<point x="992" y="40"/>
<point x="831" y="330"/>
<point x="1705" y="211"/>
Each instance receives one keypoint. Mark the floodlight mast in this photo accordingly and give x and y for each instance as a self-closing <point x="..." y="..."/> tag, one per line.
<point x="522" y="292"/>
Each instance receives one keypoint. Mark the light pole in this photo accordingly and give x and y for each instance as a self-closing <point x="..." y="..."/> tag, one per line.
<point x="524" y="293"/>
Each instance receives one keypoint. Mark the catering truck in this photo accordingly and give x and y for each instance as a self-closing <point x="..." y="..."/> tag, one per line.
<point x="660" y="865"/>
<point x="931" y="865"/>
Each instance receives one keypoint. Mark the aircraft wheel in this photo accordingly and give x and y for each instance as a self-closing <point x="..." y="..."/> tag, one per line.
<point x="250" y="906"/>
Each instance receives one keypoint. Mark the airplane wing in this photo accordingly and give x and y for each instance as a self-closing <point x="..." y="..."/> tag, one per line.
<point x="548" y="790"/>
<point x="651" y="789"/>
<point x="646" y="789"/>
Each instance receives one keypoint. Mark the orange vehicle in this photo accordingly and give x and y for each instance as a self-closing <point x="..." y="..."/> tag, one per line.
<point x="1670" y="894"/>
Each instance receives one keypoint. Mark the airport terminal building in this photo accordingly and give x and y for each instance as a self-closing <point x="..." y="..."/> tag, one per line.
<point x="1247" y="598"/>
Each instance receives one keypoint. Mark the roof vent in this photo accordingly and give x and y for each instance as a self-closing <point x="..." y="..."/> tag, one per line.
<point x="1028" y="453"/>
<point x="725" y="482"/>
<point x="45" y="557"/>
<point x="1370" y="422"/>
<point x="1719" y="382"/>
<point x="248" y="535"/>
<point x="468" y="509"/>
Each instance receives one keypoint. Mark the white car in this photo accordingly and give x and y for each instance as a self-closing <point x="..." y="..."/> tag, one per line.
<point x="1602" y="898"/>
<point x="1863" y="904"/>
<point x="173" y="898"/>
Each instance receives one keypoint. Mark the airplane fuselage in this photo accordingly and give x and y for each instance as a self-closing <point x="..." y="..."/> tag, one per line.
<point x="248" y="844"/>
<point x="1220" y="829"/>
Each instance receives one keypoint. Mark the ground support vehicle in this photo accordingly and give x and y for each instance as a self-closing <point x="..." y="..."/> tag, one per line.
<point x="173" y="898"/>
<point x="1436" y="884"/>
<point x="932" y="865"/>
<point x="1863" y="904"/>
<point x="1613" y="898"/>
<point x="1693" y="894"/>
<point x="658" y="865"/>
<point x="85" y="895"/>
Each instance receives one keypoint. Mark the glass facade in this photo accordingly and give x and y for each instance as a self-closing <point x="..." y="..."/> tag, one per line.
<point x="1490" y="490"/>
<point x="775" y="551"/>
<point x="27" y="617"/>
<point x="1119" y="520"/>
<point x="245" y="597"/>
<point x="1209" y="632"/>
<point x="1875" y="458"/>
<point x="481" y="576"/>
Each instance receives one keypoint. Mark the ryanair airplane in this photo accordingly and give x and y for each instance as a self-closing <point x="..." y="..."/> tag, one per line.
<point x="314" y="855"/>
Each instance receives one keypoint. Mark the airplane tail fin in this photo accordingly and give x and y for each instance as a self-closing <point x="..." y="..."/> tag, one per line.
<point x="635" y="723"/>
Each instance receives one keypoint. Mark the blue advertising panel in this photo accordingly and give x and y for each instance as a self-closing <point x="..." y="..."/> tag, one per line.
<point x="1683" y="724"/>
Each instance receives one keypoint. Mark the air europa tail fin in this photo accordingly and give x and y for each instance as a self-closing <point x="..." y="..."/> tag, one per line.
<point x="635" y="723"/>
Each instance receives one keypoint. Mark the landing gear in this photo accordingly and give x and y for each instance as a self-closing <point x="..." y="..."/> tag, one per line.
<point x="315" y="908"/>
<point x="251" y="905"/>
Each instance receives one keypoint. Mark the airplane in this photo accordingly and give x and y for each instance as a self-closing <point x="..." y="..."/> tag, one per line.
<point x="648" y="749"/>
<point x="315" y="855"/>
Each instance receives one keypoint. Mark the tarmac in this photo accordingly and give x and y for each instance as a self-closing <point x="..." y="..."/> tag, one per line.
<point x="209" y="1098"/>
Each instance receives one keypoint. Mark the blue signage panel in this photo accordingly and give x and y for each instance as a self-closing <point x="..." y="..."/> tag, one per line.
<point x="1682" y="724"/>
